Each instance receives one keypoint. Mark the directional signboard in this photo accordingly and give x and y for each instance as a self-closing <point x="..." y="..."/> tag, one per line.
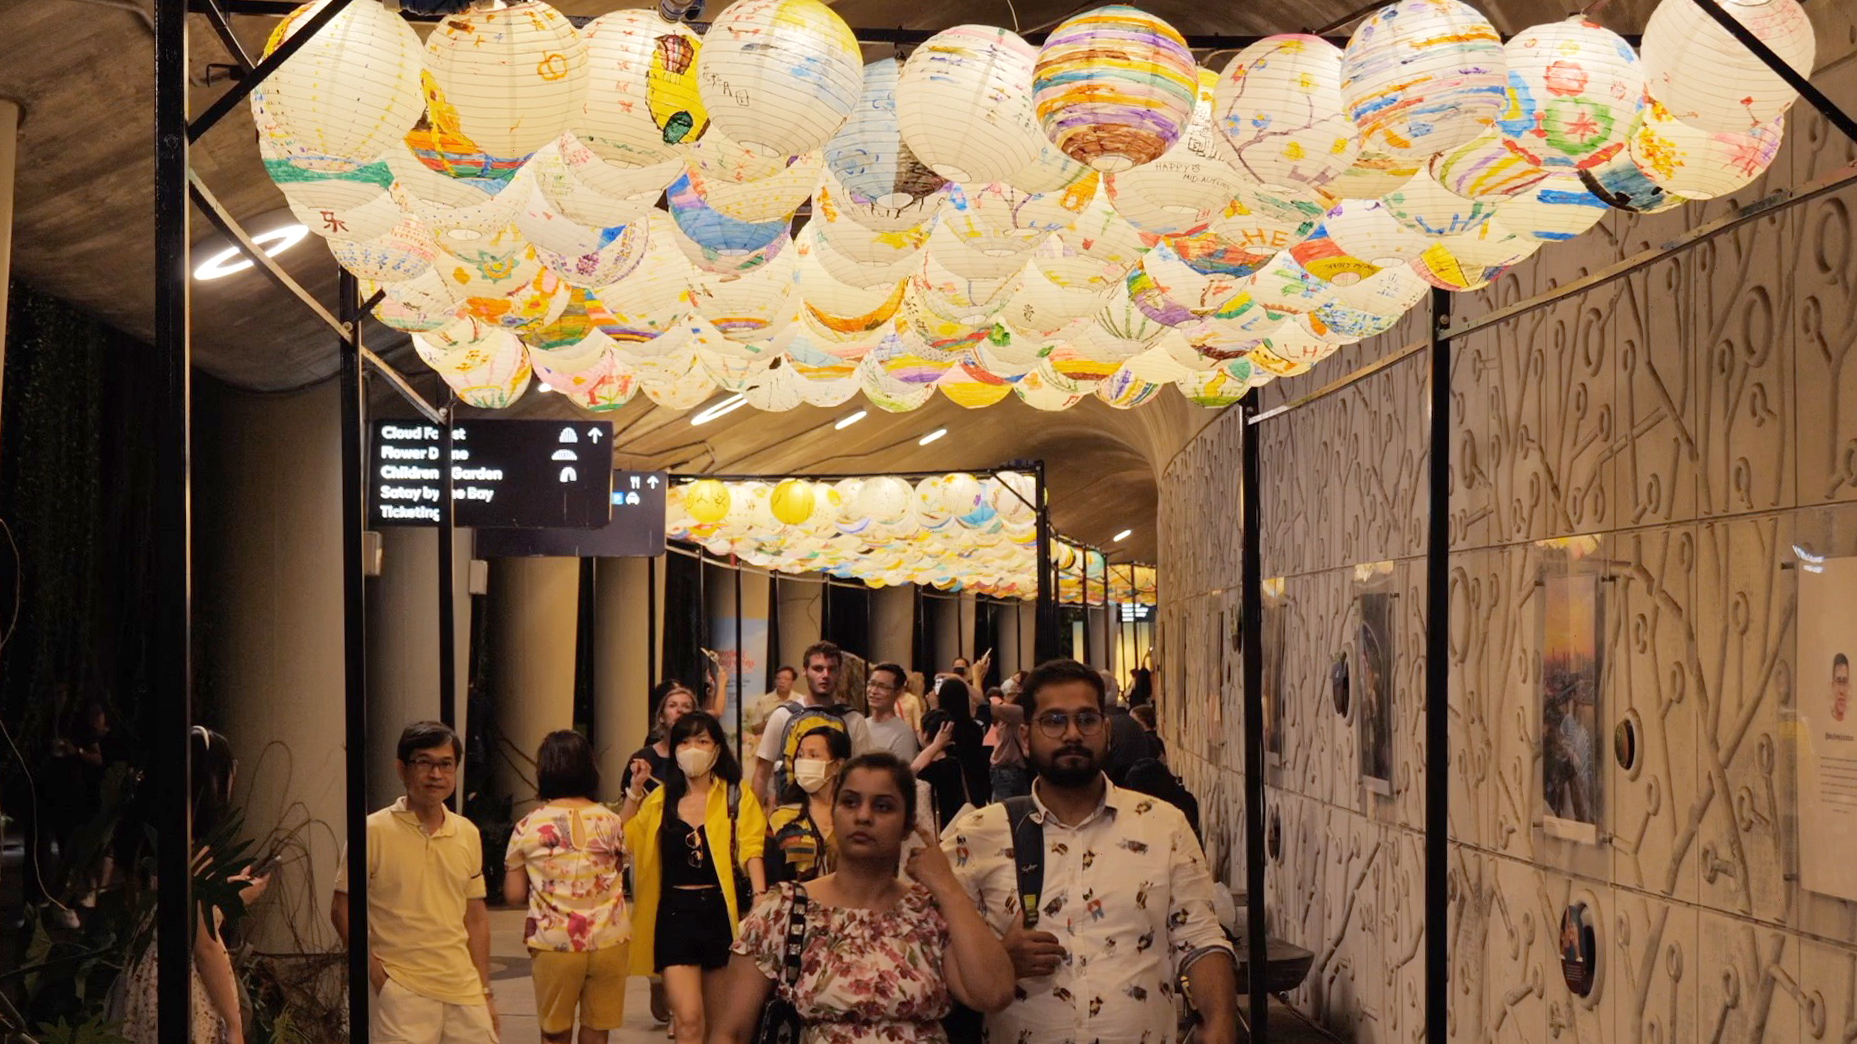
<point x="636" y="531"/>
<point x="526" y="473"/>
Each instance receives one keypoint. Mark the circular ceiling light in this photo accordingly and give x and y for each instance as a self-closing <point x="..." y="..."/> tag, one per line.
<point x="231" y="259"/>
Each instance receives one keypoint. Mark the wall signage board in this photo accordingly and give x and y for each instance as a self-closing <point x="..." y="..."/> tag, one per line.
<point x="520" y="473"/>
<point x="636" y="529"/>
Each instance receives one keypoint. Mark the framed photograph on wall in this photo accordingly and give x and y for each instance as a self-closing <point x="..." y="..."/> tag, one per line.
<point x="1572" y="715"/>
<point x="1275" y="625"/>
<point x="1375" y="657"/>
<point x="1825" y="729"/>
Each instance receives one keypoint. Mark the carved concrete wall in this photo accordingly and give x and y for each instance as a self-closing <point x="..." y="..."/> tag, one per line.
<point x="1674" y="434"/>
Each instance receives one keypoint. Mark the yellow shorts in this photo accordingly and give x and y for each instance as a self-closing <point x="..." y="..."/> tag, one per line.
<point x="593" y="981"/>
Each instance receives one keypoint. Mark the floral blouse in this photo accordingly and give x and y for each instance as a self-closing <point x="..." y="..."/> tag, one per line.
<point x="866" y="977"/>
<point x="574" y="858"/>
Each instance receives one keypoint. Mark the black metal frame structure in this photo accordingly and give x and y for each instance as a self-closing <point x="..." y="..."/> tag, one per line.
<point x="176" y="184"/>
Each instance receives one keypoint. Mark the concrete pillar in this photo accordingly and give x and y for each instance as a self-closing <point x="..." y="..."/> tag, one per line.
<point x="1010" y="655"/>
<point x="945" y="627"/>
<point x="534" y="605"/>
<point x="403" y="658"/>
<point x="621" y="665"/>
<point x="892" y="624"/>
<point x="802" y="603"/>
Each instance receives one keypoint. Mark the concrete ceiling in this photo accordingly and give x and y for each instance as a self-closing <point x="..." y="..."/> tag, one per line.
<point x="84" y="231"/>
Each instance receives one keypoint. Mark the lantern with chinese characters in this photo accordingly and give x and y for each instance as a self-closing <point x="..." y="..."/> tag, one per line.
<point x="516" y="75"/>
<point x="964" y="104"/>
<point x="348" y="94"/>
<point x="645" y="108"/>
<point x="780" y="76"/>
<point x="706" y="500"/>
<point x="1423" y="76"/>
<point x="1707" y="79"/>
<point x="1695" y="163"/>
<point x="868" y="156"/>
<point x="1574" y="90"/>
<point x="1279" y="104"/>
<point x="1114" y="87"/>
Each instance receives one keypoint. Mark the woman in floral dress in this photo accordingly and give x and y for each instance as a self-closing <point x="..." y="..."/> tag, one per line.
<point x="881" y="957"/>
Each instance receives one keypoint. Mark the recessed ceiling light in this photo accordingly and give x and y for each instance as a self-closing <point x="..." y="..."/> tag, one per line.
<point x="232" y="260"/>
<point x="849" y="419"/>
<point x="931" y="436"/>
<point x="720" y="408"/>
<point x="1123" y="535"/>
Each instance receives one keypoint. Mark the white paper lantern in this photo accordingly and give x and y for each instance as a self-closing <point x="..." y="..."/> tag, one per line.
<point x="684" y="392"/>
<point x="836" y="309"/>
<point x="1707" y="79"/>
<point x="1699" y="164"/>
<point x="589" y="375"/>
<point x="515" y="75"/>
<point x="584" y="187"/>
<point x="982" y="211"/>
<point x="424" y="302"/>
<point x="888" y="393"/>
<point x="1324" y="257"/>
<point x="1368" y="230"/>
<point x="1213" y="253"/>
<point x="868" y="156"/>
<point x="407" y="250"/>
<point x="867" y="247"/>
<point x="1373" y="175"/>
<point x="716" y="232"/>
<point x="346" y="95"/>
<point x="1052" y="171"/>
<point x="343" y="209"/>
<point x="1040" y="306"/>
<point x="964" y="104"/>
<point x="1114" y="88"/>
<point x="991" y="258"/>
<point x="888" y="265"/>
<point x="486" y="365"/>
<point x="1168" y="283"/>
<point x="457" y="210"/>
<point x="643" y="107"/>
<point x="1268" y="218"/>
<point x="1214" y="389"/>
<point x="1422" y="76"/>
<point x="655" y="296"/>
<point x="1104" y="236"/>
<point x="1042" y="389"/>
<point x="613" y="260"/>
<point x="749" y="306"/>
<point x="1285" y="289"/>
<point x="1189" y="184"/>
<point x="1623" y="185"/>
<point x="772" y="198"/>
<point x="1279" y="105"/>
<point x="1574" y="89"/>
<point x="780" y="76"/>
<point x="1486" y="168"/>
<point x="1555" y="210"/>
<point x="1428" y="208"/>
<point x="833" y="205"/>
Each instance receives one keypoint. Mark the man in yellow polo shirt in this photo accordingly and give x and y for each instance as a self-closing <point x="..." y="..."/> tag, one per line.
<point x="428" y="927"/>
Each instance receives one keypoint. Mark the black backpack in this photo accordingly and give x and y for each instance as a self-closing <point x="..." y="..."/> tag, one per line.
<point x="1028" y="852"/>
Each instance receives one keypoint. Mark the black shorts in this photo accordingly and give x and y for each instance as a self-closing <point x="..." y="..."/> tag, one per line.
<point x="693" y="929"/>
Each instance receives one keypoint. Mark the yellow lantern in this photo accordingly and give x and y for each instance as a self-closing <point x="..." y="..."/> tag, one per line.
<point x="706" y="500"/>
<point x="792" y="501"/>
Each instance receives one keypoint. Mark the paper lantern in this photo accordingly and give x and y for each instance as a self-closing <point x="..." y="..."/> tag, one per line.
<point x="1168" y="360"/>
<point x="440" y="142"/>
<point x="1213" y="253"/>
<point x="792" y="501"/>
<point x="655" y="295"/>
<point x="549" y="230"/>
<point x="993" y="259"/>
<point x="458" y="210"/>
<point x="1574" y="90"/>
<point x="772" y="198"/>
<point x="892" y="260"/>
<point x="1114" y="88"/>
<point x="407" y="250"/>
<point x="964" y="104"/>
<point x="1213" y="389"/>
<point x="486" y="365"/>
<point x="1285" y="289"/>
<point x="1374" y="305"/>
<point x="1707" y="79"/>
<point x="1104" y="235"/>
<point x="747" y="306"/>
<point x="780" y="76"/>
<point x="1052" y="171"/>
<point x="348" y="94"/>
<point x="1185" y="187"/>
<point x="888" y="393"/>
<point x="956" y="294"/>
<point x="1279" y="105"/>
<point x="587" y="374"/>
<point x="593" y="190"/>
<point x="1270" y="362"/>
<point x="1623" y="185"/>
<point x="516" y="75"/>
<point x="579" y="318"/>
<point x="1491" y="246"/>
<point x="1557" y="209"/>
<point x="982" y="212"/>
<point x="643" y="107"/>
<point x="834" y="308"/>
<point x="868" y="156"/>
<point x="1040" y="306"/>
<point x="928" y="340"/>
<point x="706" y="500"/>
<point x="972" y="386"/>
<point x="1369" y="231"/>
<point x="1179" y="283"/>
<point x="1419" y="77"/>
<point x="341" y="209"/>
<point x="716" y="232"/>
<point x="1322" y="256"/>
<point x="1045" y="390"/>
<point x="834" y="206"/>
<point x="1268" y="218"/>
<point x="1700" y="164"/>
<point x="1428" y="208"/>
<point x="1124" y="390"/>
<point x="1486" y="168"/>
<point x="1373" y="175"/>
<point x="686" y="391"/>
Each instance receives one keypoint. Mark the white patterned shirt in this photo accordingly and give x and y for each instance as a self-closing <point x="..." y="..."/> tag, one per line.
<point x="1127" y="894"/>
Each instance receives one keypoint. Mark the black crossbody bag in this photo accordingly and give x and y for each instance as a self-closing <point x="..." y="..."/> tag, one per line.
<point x="1028" y="855"/>
<point x="780" y="1021"/>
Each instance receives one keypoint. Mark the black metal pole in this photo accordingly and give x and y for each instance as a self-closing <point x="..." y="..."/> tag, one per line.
<point x="447" y="586"/>
<point x="1794" y="79"/>
<point x="1083" y="599"/>
<point x="1109" y="663"/>
<point x="1044" y="622"/>
<point x="741" y="662"/>
<point x="1251" y="629"/>
<point x="651" y="623"/>
<point x="173" y="536"/>
<point x="355" y="655"/>
<point x="1438" y="676"/>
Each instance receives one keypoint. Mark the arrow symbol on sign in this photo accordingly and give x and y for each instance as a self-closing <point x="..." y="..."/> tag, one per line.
<point x="652" y="482"/>
<point x="593" y="434"/>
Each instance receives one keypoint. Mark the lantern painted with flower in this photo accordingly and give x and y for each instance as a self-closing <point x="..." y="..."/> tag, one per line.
<point x="1279" y="105"/>
<point x="1574" y="90"/>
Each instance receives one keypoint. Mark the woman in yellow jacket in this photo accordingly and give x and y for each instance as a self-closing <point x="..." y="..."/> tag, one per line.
<point x="685" y="911"/>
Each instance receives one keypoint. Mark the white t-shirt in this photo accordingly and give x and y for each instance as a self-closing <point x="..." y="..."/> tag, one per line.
<point x="856" y="725"/>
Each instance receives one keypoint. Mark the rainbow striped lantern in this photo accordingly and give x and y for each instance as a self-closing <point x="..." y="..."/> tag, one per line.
<point x="1694" y="163"/>
<point x="517" y="75"/>
<point x="1707" y="79"/>
<point x="1428" y="208"/>
<point x="1574" y="90"/>
<point x="780" y="76"/>
<point x="1279" y="105"/>
<point x="1189" y="184"/>
<point x="868" y="156"/>
<point x="1486" y="168"/>
<point x="646" y="108"/>
<point x="1114" y="87"/>
<point x="964" y="104"/>
<point x="1420" y="77"/>
<point x="347" y="94"/>
<point x="1553" y="211"/>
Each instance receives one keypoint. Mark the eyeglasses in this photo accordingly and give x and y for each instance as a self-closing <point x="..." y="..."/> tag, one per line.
<point x="1055" y="723"/>
<point x="422" y="766"/>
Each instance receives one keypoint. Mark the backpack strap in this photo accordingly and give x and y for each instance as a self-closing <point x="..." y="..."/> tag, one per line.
<point x="735" y="806"/>
<point x="1028" y="849"/>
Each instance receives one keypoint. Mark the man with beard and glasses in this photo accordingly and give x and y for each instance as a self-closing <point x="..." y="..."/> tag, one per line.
<point x="1125" y="907"/>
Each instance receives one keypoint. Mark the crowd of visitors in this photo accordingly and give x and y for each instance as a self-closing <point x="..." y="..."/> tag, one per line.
<point x="850" y="912"/>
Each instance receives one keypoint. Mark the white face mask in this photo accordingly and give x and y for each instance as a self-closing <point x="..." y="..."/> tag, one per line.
<point x="695" y="761"/>
<point x="811" y="773"/>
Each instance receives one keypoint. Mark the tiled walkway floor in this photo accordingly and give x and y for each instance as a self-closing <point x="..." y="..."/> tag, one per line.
<point x="515" y="995"/>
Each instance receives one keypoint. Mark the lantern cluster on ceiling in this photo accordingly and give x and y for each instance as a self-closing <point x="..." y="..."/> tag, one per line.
<point x="955" y="532"/>
<point x="628" y="206"/>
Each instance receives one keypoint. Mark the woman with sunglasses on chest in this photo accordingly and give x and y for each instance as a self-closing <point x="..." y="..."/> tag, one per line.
<point x="689" y="840"/>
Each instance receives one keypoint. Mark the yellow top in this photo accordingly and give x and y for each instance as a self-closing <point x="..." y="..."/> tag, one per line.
<point x="641" y="836"/>
<point x="419" y="886"/>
